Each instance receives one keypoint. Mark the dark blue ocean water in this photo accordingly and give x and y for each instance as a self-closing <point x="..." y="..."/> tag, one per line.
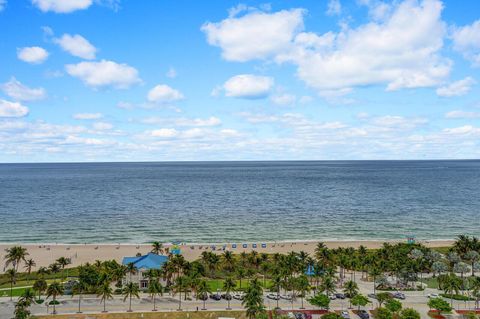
<point x="230" y="201"/>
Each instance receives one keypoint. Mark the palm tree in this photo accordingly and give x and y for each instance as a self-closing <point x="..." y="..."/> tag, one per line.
<point x="12" y="277"/>
<point x="475" y="286"/>
<point x="277" y="284"/>
<point x="29" y="264"/>
<point x="303" y="286"/>
<point x="154" y="289"/>
<point x="15" y="255"/>
<point x="131" y="270"/>
<point x="253" y="301"/>
<point x="228" y="260"/>
<point x="130" y="290"/>
<point x="328" y="285"/>
<point x="180" y="285"/>
<point x="375" y="272"/>
<point x="351" y="290"/>
<point x="40" y="286"/>
<point x="27" y="297"/>
<point x="157" y="248"/>
<point x="203" y="290"/>
<point x="42" y="271"/>
<point x="229" y="285"/>
<point x="54" y="268"/>
<point x="105" y="292"/>
<point x="63" y="262"/>
<point x="78" y="289"/>
<point x="451" y="285"/>
<point x="240" y="275"/>
<point x="53" y="291"/>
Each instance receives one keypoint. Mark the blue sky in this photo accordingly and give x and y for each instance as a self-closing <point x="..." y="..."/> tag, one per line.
<point x="146" y="80"/>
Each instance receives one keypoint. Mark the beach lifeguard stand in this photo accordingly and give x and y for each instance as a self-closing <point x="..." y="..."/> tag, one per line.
<point x="175" y="250"/>
<point x="411" y="240"/>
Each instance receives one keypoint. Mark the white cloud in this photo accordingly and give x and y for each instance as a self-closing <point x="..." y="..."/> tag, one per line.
<point x="164" y="94"/>
<point x="466" y="40"/>
<point x="171" y="73"/>
<point x="457" y="114"/>
<point x="33" y="55"/>
<point x="12" y="109"/>
<point x="104" y="73"/>
<point x="211" y="121"/>
<point x="3" y="4"/>
<point x="463" y="130"/>
<point x="102" y="126"/>
<point x="164" y="133"/>
<point x="457" y="88"/>
<point x="334" y="7"/>
<point x="240" y="39"/>
<point x="248" y="86"/>
<point x="284" y="99"/>
<point x="62" y="6"/>
<point x="20" y="92"/>
<point x="88" y="116"/>
<point x="77" y="46"/>
<point x="394" y="51"/>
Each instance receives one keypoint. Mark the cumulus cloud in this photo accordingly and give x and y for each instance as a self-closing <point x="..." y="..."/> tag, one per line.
<point x="20" y="92"/>
<point x="62" y="6"/>
<point x="457" y="114"/>
<point x="104" y="73"/>
<point x="102" y="126"/>
<point x="164" y="133"/>
<point x="33" y="55"/>
<point x="392" y="52"/>
<point x="240" y="39"/>
<point x="457" y="88"/>
<point x="12" y="109"/>
<point x="77" y="46"/>
<point x="87" y="116"/>
<point x="248" y="86"/>
<point x="466" y="40"/>
<point x="334" y="7"/>
<point x="164" y="94"/>
<point x="284" y="99"/>
<point x="202" y="122"/>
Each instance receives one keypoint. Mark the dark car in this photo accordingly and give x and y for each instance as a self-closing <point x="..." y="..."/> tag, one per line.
<point x="363" y="314"/>
<point x="398" y="295"/>
<point x="340" y="296"/>
<point x="227" y="296"/>
<point x="216" y="297"/>
<point x="202" y="297"/>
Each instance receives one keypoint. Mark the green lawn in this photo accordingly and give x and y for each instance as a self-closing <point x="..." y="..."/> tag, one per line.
<point x="217" y="284"/>
<point x="431" y="282"/>
<point x="16" y="292"/>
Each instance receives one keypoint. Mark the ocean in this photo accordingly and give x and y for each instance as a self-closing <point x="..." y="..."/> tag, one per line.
<point x="205" y="202"/>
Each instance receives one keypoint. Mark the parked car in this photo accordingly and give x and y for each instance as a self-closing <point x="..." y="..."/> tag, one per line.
<point x="340" y="296"/>
<point x="216" y="297"/>
<point x="363" y="314"/>
<point x="202" y="297"/>
<point x="286" y="297"/>
<point x="398" y="295"/>
<point x="345" y="314"/>
<point x="332" y="297"/>
<point x="433" y="295"/>
<point x="373" y="296"/>
<point x="273" y="296"/>
<point x="227" y="296"/>
<point x="238" y="296"/>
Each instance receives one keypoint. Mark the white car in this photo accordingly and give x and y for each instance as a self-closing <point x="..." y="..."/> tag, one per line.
<point x="433" y="296"/>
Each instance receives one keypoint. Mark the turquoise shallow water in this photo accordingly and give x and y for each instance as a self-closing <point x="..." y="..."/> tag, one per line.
<point x="233" y="201"/>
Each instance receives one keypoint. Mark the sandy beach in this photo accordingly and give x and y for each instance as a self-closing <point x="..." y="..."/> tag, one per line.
<point x="45" y="254"/>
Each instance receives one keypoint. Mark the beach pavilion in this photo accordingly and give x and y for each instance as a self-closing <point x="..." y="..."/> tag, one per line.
<point x="143" y="264"/>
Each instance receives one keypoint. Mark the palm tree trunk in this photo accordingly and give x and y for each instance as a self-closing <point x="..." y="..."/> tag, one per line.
<point x="104" y="305"/>
<point x="130" y="304"/>
<point x="11" y="290"/>
<point x="79" y="300"/>
<point x="54" y="302"/>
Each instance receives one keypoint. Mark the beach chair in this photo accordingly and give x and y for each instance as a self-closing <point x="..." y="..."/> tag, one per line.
<point x="245" y="246"/>
<point x="264" y="245"/>
<point x="234" y="246"/>
<point x="254" y="245"/>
